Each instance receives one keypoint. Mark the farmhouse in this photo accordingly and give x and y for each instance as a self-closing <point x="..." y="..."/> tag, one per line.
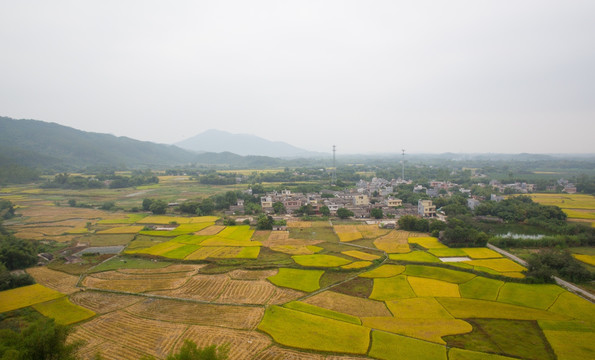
<point x="425" y="208"/>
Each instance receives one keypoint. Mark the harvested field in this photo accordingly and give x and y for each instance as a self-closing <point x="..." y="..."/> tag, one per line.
<point x="91" y="341"/>
<point x="242" y="274"/>
<point x="26" y="296"/>
<point x="290" y="241"/>
<point x="46" y="214"/>
<point x="235" y="317"/>
<point x="117" y="275"/>
<point x="57" y="280"/>
<point x="314" y="332"/>
<point x="200" y="287"/>
<point x="107" y="240"/>
<point x="164" y="220"/>
<point x="299" y="224"/>
<point x="278" y="235"/>
<point x="129" y="219"/>
<point x="394" y="242"/>
<point x="158" y="337"/>
<point x="247" y="292"/>
<point x="112" y="350"/>
<point x="211" y="230"/>
<point x="243" y="344"/>
<point x="63" y="311"/>
<point x="122" y="230"/>
<point x="283" y="296"/>
<point x="103" y="302"/>
<point x="188" y="269"/>
<point x="40" y="231"/>
<point x="348" y="304"/>
<point x="134" y="285"/>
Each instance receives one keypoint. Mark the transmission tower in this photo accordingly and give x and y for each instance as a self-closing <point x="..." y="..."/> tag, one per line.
<point x="403" y="165"/>
<point x="334" y="173"/>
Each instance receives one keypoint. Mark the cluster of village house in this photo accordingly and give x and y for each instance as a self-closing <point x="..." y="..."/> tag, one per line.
<point x="378" y="193"/>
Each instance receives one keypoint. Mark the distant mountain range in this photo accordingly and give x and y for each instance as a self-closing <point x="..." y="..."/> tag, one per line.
<point x="242" y="144"/>
<point x="43" y="145"/>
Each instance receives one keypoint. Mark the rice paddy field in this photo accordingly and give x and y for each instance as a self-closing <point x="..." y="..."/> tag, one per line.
<point x="578" y="207"/>
<point x="317" y="291"/>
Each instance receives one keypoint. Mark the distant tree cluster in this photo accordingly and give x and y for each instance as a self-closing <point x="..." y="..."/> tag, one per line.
<point x="461" y="232"/>
<point x="102" y="180"/>
<point x="557" y="262"/>
<point x="521" y="209"/>
<point x="414" y="223"/>
<point x="157" y="207"/>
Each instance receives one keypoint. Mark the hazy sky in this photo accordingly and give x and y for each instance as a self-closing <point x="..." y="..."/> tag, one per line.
<point x="368" y="76"/>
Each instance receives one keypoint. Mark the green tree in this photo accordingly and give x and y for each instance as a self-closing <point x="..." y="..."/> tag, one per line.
<point x="279" y="208"/>
<point x="325" y="211"/>
<point x="344" y="213"/>
<point x="207" y="206"/>
<point x="41" y="340"/>
<point x="158" y="207"/>
<point x="264" y="222"/>
<point x="376" y="213"/>
<point x="147" y="204"/>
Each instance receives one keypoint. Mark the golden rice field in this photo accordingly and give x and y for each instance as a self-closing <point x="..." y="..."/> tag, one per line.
<point x="578" y="207"/>
<point x="330" y="300"/>
<point x="26" y="296"/>
<point x="395" y="242"/>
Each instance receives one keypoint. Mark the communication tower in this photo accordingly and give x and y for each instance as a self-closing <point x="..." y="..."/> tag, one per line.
<point x="403" y="165"/>
<point x="334" y="173"/>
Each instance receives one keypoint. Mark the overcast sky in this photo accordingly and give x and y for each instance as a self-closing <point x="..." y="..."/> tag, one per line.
<point x="368" y="76"/>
